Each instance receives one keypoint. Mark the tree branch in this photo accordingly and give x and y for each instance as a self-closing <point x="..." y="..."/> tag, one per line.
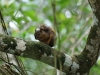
<point x="30" y="49"/>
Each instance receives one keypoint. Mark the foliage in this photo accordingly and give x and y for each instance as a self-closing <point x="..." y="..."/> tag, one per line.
<point x="74" y="18"/>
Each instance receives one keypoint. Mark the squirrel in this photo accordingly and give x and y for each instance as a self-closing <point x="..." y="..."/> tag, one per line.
<point x="45" y="34"/>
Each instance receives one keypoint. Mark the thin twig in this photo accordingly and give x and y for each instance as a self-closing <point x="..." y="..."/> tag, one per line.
<point x="4" y="28"/>
<point x="53" y="3"/>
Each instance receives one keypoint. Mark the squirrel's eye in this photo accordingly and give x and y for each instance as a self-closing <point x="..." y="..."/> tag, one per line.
<point x="46" y="29"/>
